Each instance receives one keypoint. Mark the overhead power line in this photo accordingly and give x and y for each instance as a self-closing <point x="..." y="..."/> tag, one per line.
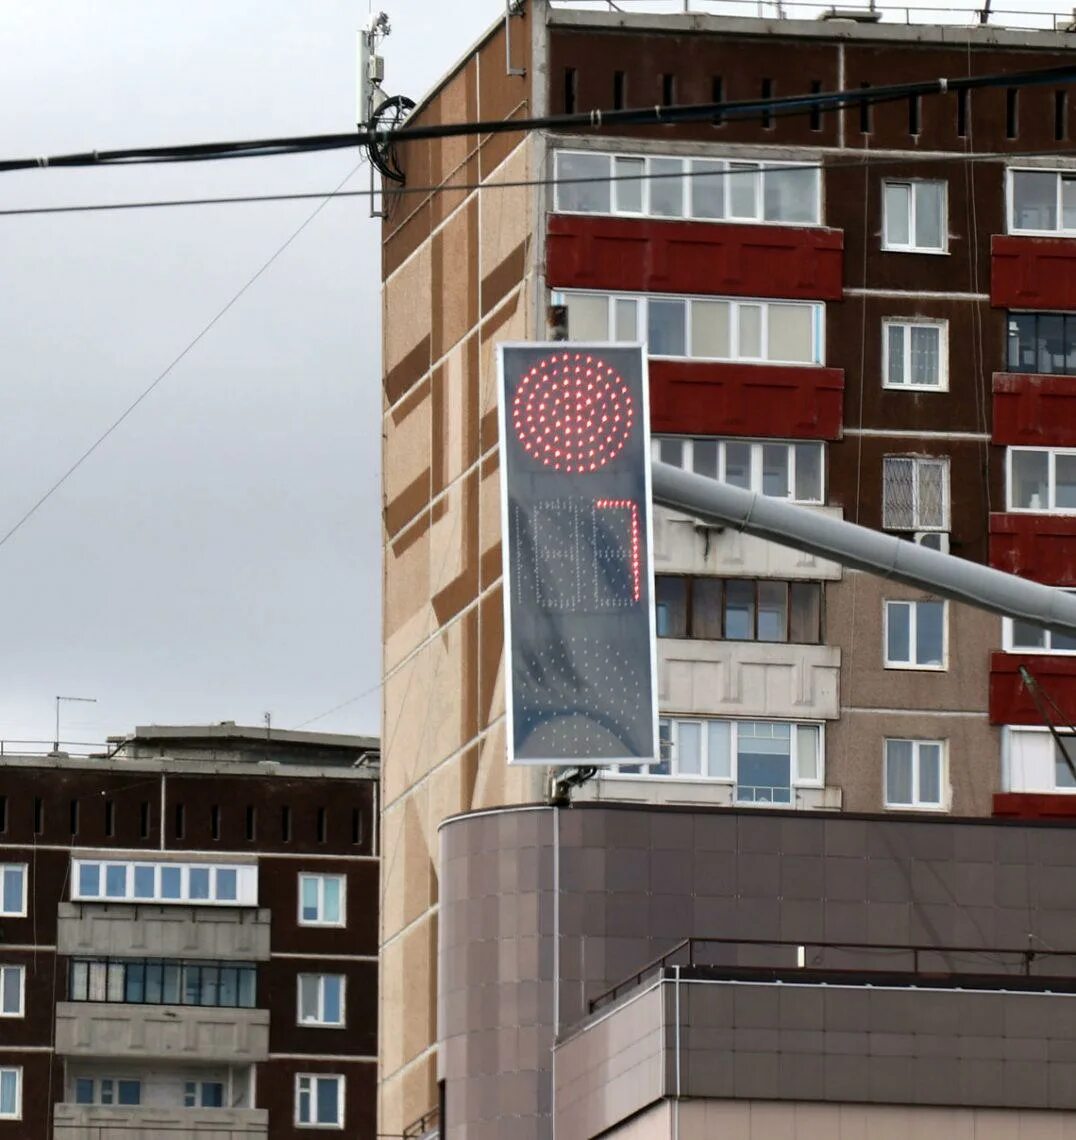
<point x="864" y="158"/>
<point x="596" y="120"/>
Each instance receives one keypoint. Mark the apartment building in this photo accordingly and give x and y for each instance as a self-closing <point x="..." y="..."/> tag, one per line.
<point x="188" y="936"/>
<point x="861" y="311"/>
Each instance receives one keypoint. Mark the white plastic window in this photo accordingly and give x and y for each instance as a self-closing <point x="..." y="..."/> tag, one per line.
<point x="915" y="635"/>
<point x="1042" y="201"/>
<point x="792" y="471"/>
<point x="915" y="355"/>
<point x="915" y="774"/>
<point x="915" y="216"/>
<point x="12" y="991"/>
<point x="915" y="493"/>
<point x="1041" y="479"/>
<point x="322" y="900"/>
<point x="198" y="883"/>
<point x="319" y="1100"/>
<point x="11" y="1092"/>
<point x="13" y="889"/>
<point x="321" y="999"/>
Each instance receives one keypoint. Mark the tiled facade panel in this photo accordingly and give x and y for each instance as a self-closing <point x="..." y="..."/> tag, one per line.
<point x="736" y="678"/>
<point x="1032" y="272"/>
<point x="711" y="398"/>
<point x="735" y="1041"/>
<point x="635" y="881"/>
<point x="1034" y="411"/>
<point x="1040" y="547"/>
<point x="651" y="256"/>
<point x="855" y="332"/>
<point x="682" y="546"/>
<point x="976" y="480"/>
<point x="1010" y="701"/>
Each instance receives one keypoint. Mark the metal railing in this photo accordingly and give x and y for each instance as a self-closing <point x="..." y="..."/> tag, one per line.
<point x="773" y="959"/>
<point x="969" y="14"/>
<point x="119" y="1130"/>
<point x="10" y="747"/>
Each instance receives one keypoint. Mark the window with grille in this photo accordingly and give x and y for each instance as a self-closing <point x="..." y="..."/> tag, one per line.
<point x="915" y="493"/>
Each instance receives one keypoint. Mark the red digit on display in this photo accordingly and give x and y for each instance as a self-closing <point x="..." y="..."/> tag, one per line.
<point x="633" y="508"/>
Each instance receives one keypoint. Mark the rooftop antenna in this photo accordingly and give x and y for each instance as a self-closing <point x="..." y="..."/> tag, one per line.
<point x="56" y="739"/>
<point x="376" y="111"/>
<point x="268" y="718"/>
<point x="984" y="12"/>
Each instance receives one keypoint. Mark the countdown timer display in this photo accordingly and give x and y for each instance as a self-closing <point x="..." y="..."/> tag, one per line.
<point x="575" y="497"/>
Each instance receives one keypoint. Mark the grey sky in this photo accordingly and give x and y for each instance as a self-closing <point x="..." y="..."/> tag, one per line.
<point x="219" y="556"/>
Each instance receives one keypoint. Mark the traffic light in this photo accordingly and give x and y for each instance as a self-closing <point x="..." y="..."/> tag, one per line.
<point x="575" y="503"/>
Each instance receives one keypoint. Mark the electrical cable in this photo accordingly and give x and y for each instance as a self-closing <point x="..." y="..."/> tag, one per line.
<point x="161" y="376"/>
<point x="874" y="159"/>
<point x="677" y="114"/>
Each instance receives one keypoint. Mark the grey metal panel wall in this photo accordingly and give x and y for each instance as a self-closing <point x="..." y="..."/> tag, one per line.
<point x="635" y="881"/>
<point x="117" y="930"/>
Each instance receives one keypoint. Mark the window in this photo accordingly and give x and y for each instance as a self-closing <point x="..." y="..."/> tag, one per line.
<point x="12" y="991"/>
<point x="107" y="1090"/>
<point x="1042" y="479"/>
<point x="915" y="216"/>
<point x="707" y="189"/>
<point x="915" y="355"/>
<point x="203" y="1094"/>
<point x="163" y="981"/>
<point x="200" y="883"/>
<point x="738" y="609"/>
<point x="1042" y="342"/>
<point x="701" y="328"/>
<point x="321" y="999"/>
<point x="780" y="470"/>
<point x="1027" y="637"/>
<point x="915" y="635"/>
<point x="1032" y="761"/>
<point x="11" y="1092"/>
<point x="913" y="773"/>
<point x="12" y="890"/>
<point x="322" y="900"/>
<point x="1042" y="201"/>
<point x="765" y="760"/>
<point x="319" y="1100"/>
<point x="915" y="493"/>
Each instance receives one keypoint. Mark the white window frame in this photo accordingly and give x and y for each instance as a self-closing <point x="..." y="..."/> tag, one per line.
<point x="755" y="477"/>
<point x="312" y="1078"/>
<point x="17" y="1070"/>
<point x="944" y="790"/>
<point x="760" y="168"/>
<point x="1010" y="200"/>
<point x="914" y="603"/>
<point x="198" y="1095"/>
<point x="675" y="722"/>
<point x="641" y="301"/>
<point x="319" y="1022"/>
<point x="1007" y="760"/>
<point x="246" y="883"/>
<point x="1046" y="649"/>
<point x="5" y="868"/>
<point x="20" y="973"/>
<point x="911" y="247"/>
<point x="1051" y="481"/>
<point x="321" y="878"/>
<point x="919" y="461"/>
<point x="908" y="324"/>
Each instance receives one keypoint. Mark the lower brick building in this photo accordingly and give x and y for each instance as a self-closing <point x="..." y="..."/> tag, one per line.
<point x="188" y="937"/>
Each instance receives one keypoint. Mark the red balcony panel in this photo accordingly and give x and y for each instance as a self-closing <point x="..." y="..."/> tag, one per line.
<point x="1034" y="411"/>
<point x="1034" y="805"/>
<point x="1040" y="547"/>
<point x="640" y="255"/>
<point x="1011" y="703"/>
<point x="707" y="398"/>
<point x="1032" y="272"/>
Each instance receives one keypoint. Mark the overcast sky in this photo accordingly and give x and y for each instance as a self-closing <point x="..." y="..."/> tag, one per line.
<point x="218" y="557"/>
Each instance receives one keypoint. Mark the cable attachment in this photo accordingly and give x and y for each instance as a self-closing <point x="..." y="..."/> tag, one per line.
<point x="383" y="124"/>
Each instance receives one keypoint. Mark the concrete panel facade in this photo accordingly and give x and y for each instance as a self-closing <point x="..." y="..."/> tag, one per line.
<point x="115" y="930"/>
<point x="99" y="1029"/>
<point x="97" y="1122"/>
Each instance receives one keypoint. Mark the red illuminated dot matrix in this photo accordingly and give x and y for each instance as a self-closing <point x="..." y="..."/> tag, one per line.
<point x="573" y="413"/>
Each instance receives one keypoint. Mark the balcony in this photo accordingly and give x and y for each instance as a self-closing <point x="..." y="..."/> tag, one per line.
<point x="1032" y="272"/>
<point x="1034" y="410"/>
<point x="150" y="931"/>
<point x="145" y="1122"/>
<point x="1036" y="546"/>
<point x="1011" y="703"/>
<point x="179" y="1033"/>
<point x="661" y="256"/>
<point x="768" y="400"/>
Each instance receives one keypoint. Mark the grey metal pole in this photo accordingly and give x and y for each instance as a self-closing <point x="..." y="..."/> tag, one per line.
<point x="863" y="548"/>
